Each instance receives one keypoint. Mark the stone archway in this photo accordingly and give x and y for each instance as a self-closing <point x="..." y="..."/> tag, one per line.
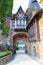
<point x="20" y="36"/>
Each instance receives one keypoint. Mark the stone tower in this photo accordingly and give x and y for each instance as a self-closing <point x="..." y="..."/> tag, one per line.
<point x="34" y="4"/>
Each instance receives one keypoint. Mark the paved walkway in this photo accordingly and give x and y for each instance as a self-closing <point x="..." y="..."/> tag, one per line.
<point x="22" y="59"/>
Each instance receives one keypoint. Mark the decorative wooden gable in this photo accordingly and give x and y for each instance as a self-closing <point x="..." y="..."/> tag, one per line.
<point x="20" y="14"/>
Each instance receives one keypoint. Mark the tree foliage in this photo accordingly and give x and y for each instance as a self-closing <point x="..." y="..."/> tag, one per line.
<point x="5" y="10"/>
<point x="6" y="7"/>
<point x="5" y="30"/>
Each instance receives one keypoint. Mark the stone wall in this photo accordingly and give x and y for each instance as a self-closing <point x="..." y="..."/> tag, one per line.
<point x="5" y="59"/>
<point x="33" y="43"/>
<point x="33" y="49"/>
<point x="28" y="48"/>
<point x="37" y="47"/>
<point x="41" y="38"/>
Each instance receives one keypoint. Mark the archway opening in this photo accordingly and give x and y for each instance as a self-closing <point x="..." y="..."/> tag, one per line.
<point x="20" y="46"/>
<point x="20" y="42"/>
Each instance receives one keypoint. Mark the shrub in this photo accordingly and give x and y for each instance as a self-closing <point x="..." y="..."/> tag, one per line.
<point x="17" y="47"/>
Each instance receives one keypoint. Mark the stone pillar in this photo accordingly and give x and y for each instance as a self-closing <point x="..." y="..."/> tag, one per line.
<point x="41" y="38"/>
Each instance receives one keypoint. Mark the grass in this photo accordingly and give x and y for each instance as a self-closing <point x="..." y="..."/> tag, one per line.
<point x="4" y="53"/>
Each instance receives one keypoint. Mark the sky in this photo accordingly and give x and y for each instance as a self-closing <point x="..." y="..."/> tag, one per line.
<point x="23" y="3"/>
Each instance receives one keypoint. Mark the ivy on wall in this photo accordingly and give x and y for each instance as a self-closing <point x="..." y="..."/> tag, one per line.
<point x="5" y="10"/>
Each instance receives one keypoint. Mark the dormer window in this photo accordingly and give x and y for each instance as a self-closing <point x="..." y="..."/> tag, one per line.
<point x="19" y="19"/>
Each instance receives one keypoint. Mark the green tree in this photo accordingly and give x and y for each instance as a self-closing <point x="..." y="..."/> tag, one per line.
<point x="5" y="30"/>
<point x="5" y="10"/>
<point x="5" y="7"/>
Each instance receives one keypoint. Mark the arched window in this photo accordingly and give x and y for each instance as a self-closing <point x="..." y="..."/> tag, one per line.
<point x="22" y="22"/>
<point x="18" y="22"/>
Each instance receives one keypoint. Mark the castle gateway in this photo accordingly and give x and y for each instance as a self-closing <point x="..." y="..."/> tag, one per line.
<point x="28" y="28"/>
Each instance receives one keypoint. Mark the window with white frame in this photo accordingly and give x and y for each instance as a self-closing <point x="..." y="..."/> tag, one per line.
<point x="22" y="22"/>
<point x="17" y="23"/>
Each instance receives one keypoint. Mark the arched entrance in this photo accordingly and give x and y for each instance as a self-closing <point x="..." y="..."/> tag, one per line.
<point x="18" y="39"/>
<point x="21" y="44"/>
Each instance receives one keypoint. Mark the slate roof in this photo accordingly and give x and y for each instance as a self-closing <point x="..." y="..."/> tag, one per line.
<point x="20" y="10"/>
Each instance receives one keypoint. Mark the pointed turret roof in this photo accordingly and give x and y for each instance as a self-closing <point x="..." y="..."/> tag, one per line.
<point x="20" y="14"/>
<point x="34" y="1"/>
<point x="31" y="2"/>
<point x="20" y="10"/>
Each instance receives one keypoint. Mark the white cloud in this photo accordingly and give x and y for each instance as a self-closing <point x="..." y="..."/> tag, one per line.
<point x="18" y="3"/>
<point x="23" y="3"/>
<point x="40" y="4"/>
